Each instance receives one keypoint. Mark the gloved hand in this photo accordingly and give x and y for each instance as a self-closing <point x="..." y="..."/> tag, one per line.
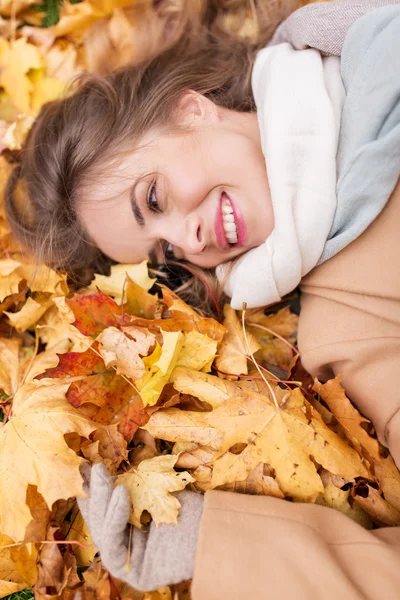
<point x="163" y="556"/>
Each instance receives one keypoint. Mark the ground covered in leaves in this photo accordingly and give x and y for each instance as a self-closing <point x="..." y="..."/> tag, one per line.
<point x="125" y="373"/>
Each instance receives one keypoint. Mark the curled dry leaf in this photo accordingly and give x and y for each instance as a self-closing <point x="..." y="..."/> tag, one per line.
<point x="235" y="348"/>
<point x="350" y="419"/>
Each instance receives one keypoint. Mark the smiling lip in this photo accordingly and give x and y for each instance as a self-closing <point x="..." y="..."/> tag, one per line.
<point x="222" y="242"/>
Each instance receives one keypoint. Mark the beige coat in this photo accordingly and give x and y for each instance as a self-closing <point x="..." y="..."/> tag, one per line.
<point x="257" y="547"/>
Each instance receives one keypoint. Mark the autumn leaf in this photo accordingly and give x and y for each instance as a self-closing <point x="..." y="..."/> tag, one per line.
<point x="33" y="451"/>
<point x="93" y="313"/>
<point x="159" y="366"/>
<point x="9" y="365"/>
<point x="109" y="446"/>
<point x="139" y="302"/>
<point x="16" y="59"/>
<point x="108" y="397"/>
<point x="78" y="531"/>
<point x="12" y="561"/>
<point x="284" y="438"/>
<point x="352" y="422"/>
<point x="235" y="349"/>
<point x="124" y="349"/>
<point x="271" y="331"/>
<point x="150" y="487"/>
<point x="113" y="285"/>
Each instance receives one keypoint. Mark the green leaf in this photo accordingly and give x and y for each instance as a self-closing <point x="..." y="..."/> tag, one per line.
<point x="51" y="8"/>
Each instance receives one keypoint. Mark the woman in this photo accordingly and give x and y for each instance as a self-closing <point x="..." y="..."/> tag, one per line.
<point x="350" y="315"/>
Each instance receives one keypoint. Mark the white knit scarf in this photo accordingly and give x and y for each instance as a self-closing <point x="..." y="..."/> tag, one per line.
<point x="299" y="97"/>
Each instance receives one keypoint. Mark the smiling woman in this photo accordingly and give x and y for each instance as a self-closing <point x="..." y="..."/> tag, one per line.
<point x="161" y="155"/>
<point x="203" y="190"/>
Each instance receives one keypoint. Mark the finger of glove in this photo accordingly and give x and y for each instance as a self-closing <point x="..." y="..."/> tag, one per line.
<point x="114" y="544"/>
<point x="101" y="489"/>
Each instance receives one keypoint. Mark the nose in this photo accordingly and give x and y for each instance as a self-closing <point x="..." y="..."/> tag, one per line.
<point x="188" y="234"/>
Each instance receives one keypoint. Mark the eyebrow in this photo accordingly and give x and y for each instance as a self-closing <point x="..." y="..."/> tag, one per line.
<point x="137" y="213"/>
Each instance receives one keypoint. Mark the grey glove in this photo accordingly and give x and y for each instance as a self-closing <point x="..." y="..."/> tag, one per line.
<point x="163" y="556"/>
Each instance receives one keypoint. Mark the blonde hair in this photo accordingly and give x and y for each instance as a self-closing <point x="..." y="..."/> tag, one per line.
<point x="73" y="138"/>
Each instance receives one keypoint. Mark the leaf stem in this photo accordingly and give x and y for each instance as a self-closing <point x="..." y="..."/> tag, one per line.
<point x="253" y="359"/>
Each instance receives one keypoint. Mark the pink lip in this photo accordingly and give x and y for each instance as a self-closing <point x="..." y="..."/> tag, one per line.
<point x="222" y="242"/>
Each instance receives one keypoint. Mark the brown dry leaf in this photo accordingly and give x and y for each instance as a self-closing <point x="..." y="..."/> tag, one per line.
<point x="56" y="571"/>
<point x="119" y="350"/>
<point x="369" y="498"/>
<point x="350" y="419"/>
<point x="150" y="487"/>
<point x="37" y="529"/>
<point x="33" y="451"/>
<point x="108" y="446"/>
<point x="274" y="351"/>
<point x="192" y="456"/>
<point x="234" y="349"/>
<point x="334" y="497"/>
<point x="348" y="416"/>
<point x="283" y="438"/>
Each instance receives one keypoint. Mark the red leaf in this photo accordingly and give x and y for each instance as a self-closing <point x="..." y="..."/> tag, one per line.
<point x="106" y="396"/>
<point x="94" y="312"/>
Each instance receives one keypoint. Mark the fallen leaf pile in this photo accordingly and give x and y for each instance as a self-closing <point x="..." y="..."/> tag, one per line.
<point x="123" y="372"/>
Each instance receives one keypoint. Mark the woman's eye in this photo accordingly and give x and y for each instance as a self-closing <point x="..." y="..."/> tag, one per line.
<point x="152" y="202"/>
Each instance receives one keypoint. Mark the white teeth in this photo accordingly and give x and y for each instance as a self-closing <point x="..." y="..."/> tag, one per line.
<point x="229" y="227"/>
<point x="228" y="220"/>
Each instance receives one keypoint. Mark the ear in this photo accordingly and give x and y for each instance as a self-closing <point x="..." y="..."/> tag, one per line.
<point x="194" y="108"/>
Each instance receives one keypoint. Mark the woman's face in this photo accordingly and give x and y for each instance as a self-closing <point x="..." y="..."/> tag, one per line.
<point x="204" y="193"/>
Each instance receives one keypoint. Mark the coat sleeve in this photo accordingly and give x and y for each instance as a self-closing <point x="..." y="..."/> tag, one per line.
<point x="260" y="547"/>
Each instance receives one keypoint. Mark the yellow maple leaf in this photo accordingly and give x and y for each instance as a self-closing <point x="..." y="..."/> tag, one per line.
<point x="159" y="366"/>
<point x="284" y="437"/>
<point x="16" y="59"/>
<point x="113" y="284"/>
<point x="44" y="88"/>
<point x="33" y="451"/>
<point x="150" y="486"/>
<point x="234" y="349"/>
<point x="197" y="352"/>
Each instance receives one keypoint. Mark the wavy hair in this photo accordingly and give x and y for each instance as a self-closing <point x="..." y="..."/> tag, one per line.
<point x="73" y="138"/>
